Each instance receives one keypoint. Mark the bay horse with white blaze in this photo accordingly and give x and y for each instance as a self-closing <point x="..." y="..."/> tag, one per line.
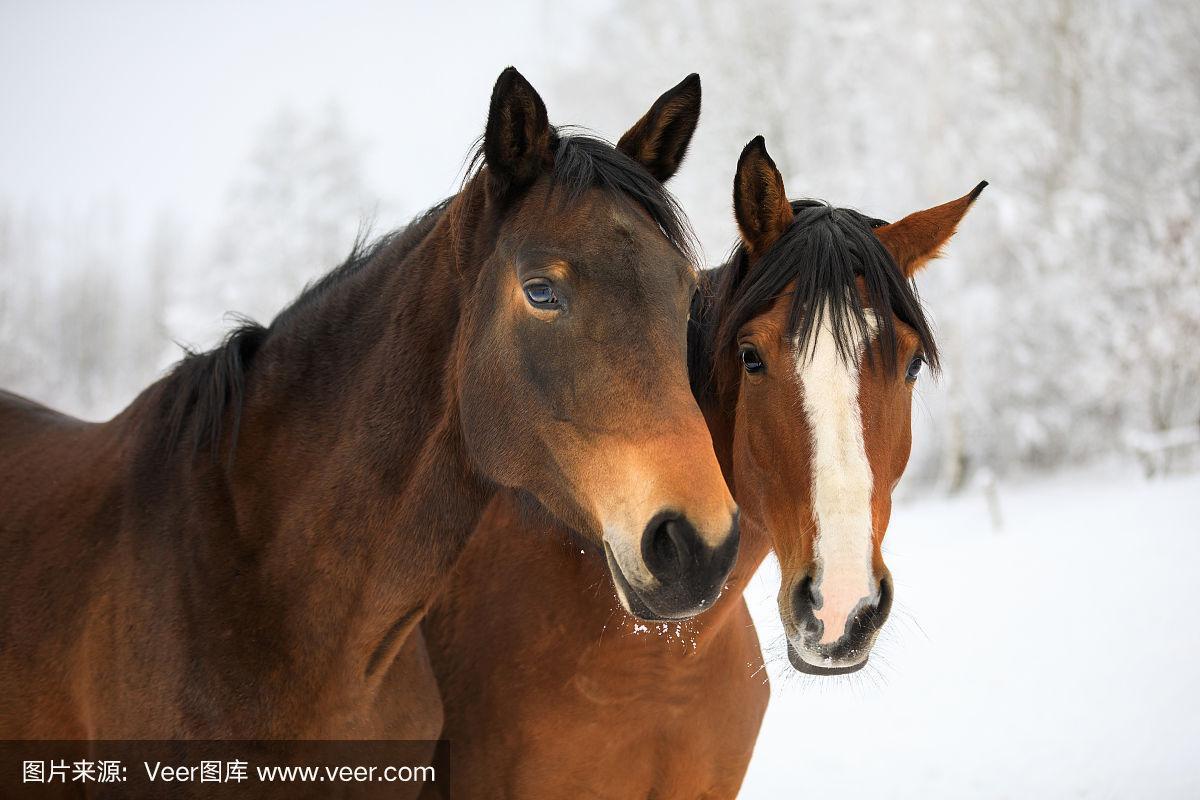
<point x="244" y="551"/>
<point x="804" y="349"/>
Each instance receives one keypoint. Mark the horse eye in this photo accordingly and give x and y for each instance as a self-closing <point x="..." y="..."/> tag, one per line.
<point x="540" y="294"/>
<point x="751" y="360"/>
<point x="914" y="368"/>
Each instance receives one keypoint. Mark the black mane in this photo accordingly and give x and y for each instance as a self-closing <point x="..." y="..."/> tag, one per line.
<point x="823" y="251"/>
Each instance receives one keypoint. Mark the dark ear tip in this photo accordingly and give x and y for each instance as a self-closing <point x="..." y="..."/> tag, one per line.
<point x="510" y="77"/>
<point x="690" y="87"/>
<point x="978" y="190"/>
<point x="757" y="145"/>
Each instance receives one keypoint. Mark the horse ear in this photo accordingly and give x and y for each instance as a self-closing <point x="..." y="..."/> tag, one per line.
<point x="660" y="139"/>
<point x="918" y="238"/>
<point x="516" y="143"/>
<point x="760" y="202"/>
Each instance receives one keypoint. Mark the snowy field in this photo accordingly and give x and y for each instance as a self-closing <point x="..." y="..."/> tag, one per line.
<point x="1054" y="657"/>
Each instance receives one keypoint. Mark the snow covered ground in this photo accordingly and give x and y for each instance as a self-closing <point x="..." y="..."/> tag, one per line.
<point x="1057" y="656"/>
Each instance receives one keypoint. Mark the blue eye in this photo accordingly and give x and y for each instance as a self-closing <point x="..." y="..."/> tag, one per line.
<point x="540" y="294"/>
<point x="914" y="368"/>
<point x="751" y="360"/>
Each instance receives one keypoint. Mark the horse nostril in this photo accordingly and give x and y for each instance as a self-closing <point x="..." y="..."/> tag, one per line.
<point x="688" y="572"/>
<point x="884" y="606"/>
<point x="804" y="603"/>
<point x="804" y="599"/>
<point x="666" y="546"/>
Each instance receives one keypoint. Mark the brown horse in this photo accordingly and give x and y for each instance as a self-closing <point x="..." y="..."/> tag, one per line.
<point x="243" y="551"/>
<point x="804" y="351"/>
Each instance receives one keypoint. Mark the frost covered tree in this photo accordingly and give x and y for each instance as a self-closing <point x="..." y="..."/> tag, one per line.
<point x="89" y="317"/>
<point x="291" y="216"/>
<point x="20" y="342"/>
<point x="69" y="332"/>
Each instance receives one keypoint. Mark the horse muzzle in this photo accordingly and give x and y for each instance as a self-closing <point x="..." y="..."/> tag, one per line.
<point x="674" y="574"/>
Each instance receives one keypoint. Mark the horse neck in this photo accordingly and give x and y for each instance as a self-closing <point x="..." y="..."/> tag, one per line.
<point x="350" y="480"/>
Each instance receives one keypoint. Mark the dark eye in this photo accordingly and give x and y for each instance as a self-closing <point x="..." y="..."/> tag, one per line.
<point x="751" y="360"/>
<point x="914" y="368"/>
<point x="540" y="294"/>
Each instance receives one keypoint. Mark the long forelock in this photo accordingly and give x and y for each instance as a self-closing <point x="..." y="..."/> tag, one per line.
<point x="821" y="255"/>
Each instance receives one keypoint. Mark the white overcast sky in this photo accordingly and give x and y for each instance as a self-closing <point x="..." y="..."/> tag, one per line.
<point x="155" y="105"/>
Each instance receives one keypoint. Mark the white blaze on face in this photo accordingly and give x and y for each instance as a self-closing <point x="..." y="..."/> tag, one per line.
<point x="841" y="479"/>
